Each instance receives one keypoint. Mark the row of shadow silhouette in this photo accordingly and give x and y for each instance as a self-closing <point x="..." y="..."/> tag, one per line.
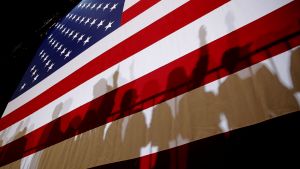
<point x="198" y="114"/>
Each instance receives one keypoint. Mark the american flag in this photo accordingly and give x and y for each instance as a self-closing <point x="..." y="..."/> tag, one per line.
<point x="129" y="84"/>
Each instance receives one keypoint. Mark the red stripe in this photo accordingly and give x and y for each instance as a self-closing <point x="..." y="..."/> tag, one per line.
<point x="151" y="34"/>
<point x="193" y="70"/>
<point x="137" y="9"/>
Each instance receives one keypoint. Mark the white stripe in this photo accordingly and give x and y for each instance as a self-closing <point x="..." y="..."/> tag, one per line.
<point x="152" y="14"/>
<point x="129" y="3"/>
<point x="188" y="40"/>
<point x="211" y="87"/>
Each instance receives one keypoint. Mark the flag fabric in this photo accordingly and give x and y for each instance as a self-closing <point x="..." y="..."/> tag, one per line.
<point x="129" y="84"/>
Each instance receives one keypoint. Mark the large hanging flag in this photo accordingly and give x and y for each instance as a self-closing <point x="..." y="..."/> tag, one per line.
<point x="131" y="83"/>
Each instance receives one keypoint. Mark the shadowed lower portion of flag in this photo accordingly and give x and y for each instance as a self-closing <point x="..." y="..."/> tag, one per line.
<point x="270" y="143"/>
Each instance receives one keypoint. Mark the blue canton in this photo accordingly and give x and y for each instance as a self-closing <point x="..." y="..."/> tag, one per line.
<point x="87" y="23"/>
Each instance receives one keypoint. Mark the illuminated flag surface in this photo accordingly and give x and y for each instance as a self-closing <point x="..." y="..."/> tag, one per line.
<point x="130" y="84"/>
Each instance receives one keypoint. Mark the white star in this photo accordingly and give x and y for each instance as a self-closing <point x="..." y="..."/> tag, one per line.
<point x="93" y="22"/>
<point x="114" y="7"/>
<point x="68" y="54"/>
<point x="48" y="62"/>
<point x="63" y="51"/>
<point x="61" y="27"/>
<point x="50" y="67"/>
<point x="56" y="45"/>
<point x="50" y="36"/>
<point x="80" y="39"/>
<point x="52" y="26"/>
<point x="67" y="32"/>
<point x="87" y="40"/>
<point x="34" y="72"/>
<point x="33" y="67"/>
<point x="87" y="21"/>
<point x="108" y="25"/>
<point x="34" y="79"/>
<point x="59" y="48"/>
<point x="67" y="15"/>
<point x="22" y="87"/>
<point x="51" y="40"/>
<point x="79" y="5"/>
<point x="100" y="23"/>
<point x="45" y="58"/>
<point x="63" y="30"/>
<point x="82" y="19"/>
<point x="106" y="6"/>
<point x="70" y="16"/>
<point x="77" y="18"/>
<point x="93" y="6"/>
<point x="74" y="16"/>
<point x="41" y="52"/>
<point x="89" y="4"/>
<point x="43" y="55"/>
<point x="83" y="5"/>
<point x="99" y="6"/>
<point x="75" y="36"/>
<point x="71" y="33"/>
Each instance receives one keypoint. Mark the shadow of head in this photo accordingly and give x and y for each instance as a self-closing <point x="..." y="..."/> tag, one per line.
<point x="128" y="100"/>
<point x="57" y="110"/>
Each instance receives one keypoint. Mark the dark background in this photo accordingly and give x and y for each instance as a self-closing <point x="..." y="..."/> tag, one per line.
<point x="23" y="26"/>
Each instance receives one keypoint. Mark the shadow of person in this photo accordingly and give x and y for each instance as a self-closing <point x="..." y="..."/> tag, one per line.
<point x="128" y="101"/>
<point x="196" y="120"/>
<point x="50" y="135"/>
<point x="251" y="100"/>
<point x="163" y="130"/>
<point x="71" y="147"/>
<point x="200" y="70"/>
<point x="121" y="135"/>
<point x="134" y="129"/>
<point x="160" y="131"/>
<point x="294" y="69"/>
<point x="103" y="139"/>
<point x="112" y="128"/>
<point x="20" y="142"/>
<point x="100" y="108"/>
<point x="198" y="112"/>
<point x="85" y="146"/>
<point x="278" y="99"/>
<point x="21" y="146"/>
<point x="100" y="111"/>
<point x="236" y="57"/>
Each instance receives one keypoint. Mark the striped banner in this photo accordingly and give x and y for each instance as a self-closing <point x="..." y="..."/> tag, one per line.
<point x="173" y="73"/>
